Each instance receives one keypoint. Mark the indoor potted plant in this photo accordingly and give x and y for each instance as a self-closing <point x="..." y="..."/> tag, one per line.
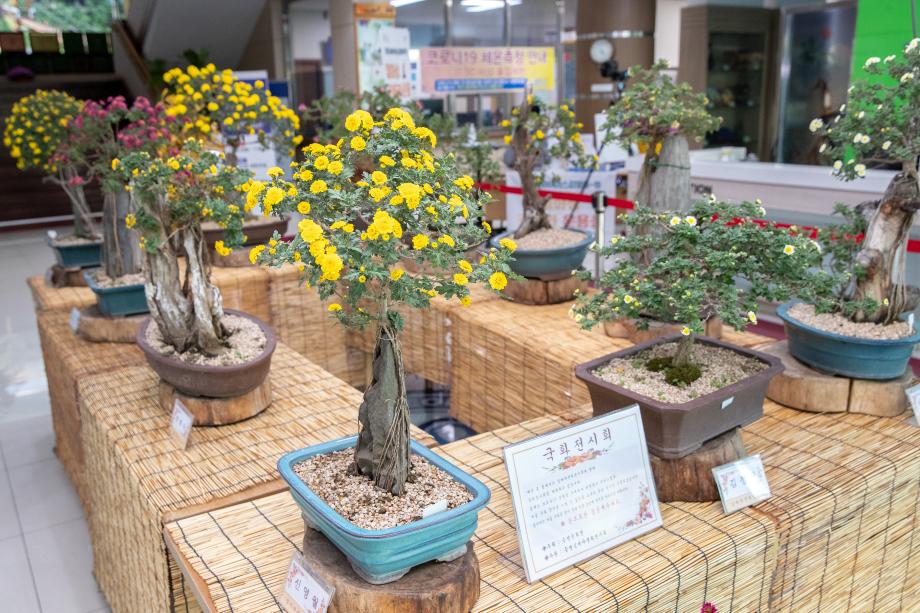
<point x="541" y="138"/>
<point x="102" y="133"/>
<point x="660" y="116"/>
<point x="35" y="129"/>
<point x="861" y="332"/>
<point x="691" y="388"/>
<point x="407" y="193"/>
<point x="190" y="340"/>
<point x="222" y="110"/>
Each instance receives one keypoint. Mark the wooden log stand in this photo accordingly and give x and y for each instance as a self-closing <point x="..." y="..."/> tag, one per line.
<point x="543" y="291"/>
<point x="446" y="587"/>
<point x="58" y="276"/>
<point x="218" y="411"/>
<point x="806" y="389"/>
<point x="626" y="328"/>
<point x="99" y="328"/>
<point x="689" y="479"/>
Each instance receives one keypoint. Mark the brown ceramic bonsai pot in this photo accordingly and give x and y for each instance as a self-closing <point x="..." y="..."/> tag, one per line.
<point x="258" y="230"/>
<point x="207" y="380"/>
<point x="676" y="430"/>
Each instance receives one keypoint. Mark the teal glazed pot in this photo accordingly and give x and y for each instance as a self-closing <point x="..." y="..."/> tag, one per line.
<point x="118" y="301"/>
<point x="382" y="556"/>
<point x="548" y="264"/>
<point x="860" y="358"/>
<point x="80" y="255"/>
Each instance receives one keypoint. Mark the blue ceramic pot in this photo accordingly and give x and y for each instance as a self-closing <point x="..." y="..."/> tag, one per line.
<point x="860" y="358"/>
<point x="80" y="255"/>
<point x="382" y="556"/>
<point x="117" y="301"/>
<point x="555" y="263"/>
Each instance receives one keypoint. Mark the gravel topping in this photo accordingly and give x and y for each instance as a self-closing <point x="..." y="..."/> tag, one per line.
<point x="720" y="368"/>
<point x="103" y="280"/>
<point x="72" y="239"/>
<point x="549" y="239"/>
<point x="245" y="341"/>
<point x="838" y="324"/>
<point x="357" y="499"/>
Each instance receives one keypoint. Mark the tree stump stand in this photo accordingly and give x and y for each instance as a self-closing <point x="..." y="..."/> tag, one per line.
<point x="218" y="411"/>
<point x="58" y="276"/>
<point x="626" y="328"/>
<point x="544" y="291"/>
<point x="445" y="587"/>
<point x="99" y="328"/>
<point x="806" y="389"/>
<point x="689" y="479"/>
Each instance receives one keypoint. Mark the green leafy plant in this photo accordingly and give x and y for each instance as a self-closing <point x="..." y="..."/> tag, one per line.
<point x="701" y="257"/>
<point x="174" y="195"/>
<point x="879" y="125"/>
<point x="411" y="207"/>
<point x="540" y="136"/>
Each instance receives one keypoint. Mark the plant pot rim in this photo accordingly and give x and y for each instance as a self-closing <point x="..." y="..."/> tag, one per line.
<point x="589" y="238"/>
<point x="88" y="275"/>
<point x="267" y="351"/>
<point x="775" y="366"/>
<point x="783" y="313"/>
<point x="481" y="493"/>
<point x="89" y="243"/>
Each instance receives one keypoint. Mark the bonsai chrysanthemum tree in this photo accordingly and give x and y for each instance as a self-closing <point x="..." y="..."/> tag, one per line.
<point x="541" y="135"/>
<point x="881" y="124"/>
<point x="415" y="208"/>
<point x="35" y="129"/>
<point x="174" y="195"/>
<point x="701" y="255"/>
<point x="211" y="104"/>
<point x="104" y="132"/>
<point x="661" y="116"/>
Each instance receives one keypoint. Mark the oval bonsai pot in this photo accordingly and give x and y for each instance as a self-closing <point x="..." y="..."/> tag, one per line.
<point x="557" y="263"/>
<point x="860" y="358"/>
<point x="77" y="255"/>
<point x="382" y="556"/>
<point x="675" y="430"/>
<point x="207" y="380"/>
<point x="258" y="230"/>
<point x="117" y="301"/>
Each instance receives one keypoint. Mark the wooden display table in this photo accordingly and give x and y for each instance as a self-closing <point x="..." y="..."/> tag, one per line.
<point x="140" y="479"/>
<point x="514" y="362"/>
<point x="235" y="559"/>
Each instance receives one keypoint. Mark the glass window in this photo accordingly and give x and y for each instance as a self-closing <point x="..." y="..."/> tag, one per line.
<point x="425" y="20"/>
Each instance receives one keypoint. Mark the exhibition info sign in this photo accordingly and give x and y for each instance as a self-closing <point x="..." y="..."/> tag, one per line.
<point x="581" y="490"/>
<point x="484" y="69"/>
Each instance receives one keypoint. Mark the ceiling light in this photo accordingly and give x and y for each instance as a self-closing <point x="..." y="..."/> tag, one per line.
<point x="398" y="3"/>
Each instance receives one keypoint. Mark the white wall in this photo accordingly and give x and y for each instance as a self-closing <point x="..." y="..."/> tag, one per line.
<point x="667" y="30"/>
<point x="309" y="29"/>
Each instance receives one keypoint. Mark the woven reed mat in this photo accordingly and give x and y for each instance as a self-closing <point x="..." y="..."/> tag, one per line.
<point x="244" y="288"/>
<point x="140" y="479"/>
<point x="68" y="359"/>
<point x="237" y="557"/>
<point x="302" y="321"/>
<point x="513" y="362"/>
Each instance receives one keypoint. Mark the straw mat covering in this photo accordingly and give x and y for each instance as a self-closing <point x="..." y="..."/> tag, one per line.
<point x="302" y="321"/>
<point x="47" y="297"/>
<point x="68" y="359"/>
<point x="513" y="362"/>
<point x="140" y="478"/>
<point x="237" y="556"/>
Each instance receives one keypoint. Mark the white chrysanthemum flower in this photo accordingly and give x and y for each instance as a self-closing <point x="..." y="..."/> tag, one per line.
<point x="789" y="249"/>
<point x="872" y="61"/>
<point x="843" y="107"/>
<point x="675" y="221"/>
<point x="838" y="165"/>
<point x="815" y="125"/>
<point x="865" y="139"/>
<point x="763" y="211"/>
<point x="690" y="219"/>
<point x="860" y="170"/>
<point x="858" y="137"/>
<point x="822" y="147"/>
<point x="752" y="317"/>
<point x="889" y="58"/>
<point x="907" y="76"/>
<point x="627" y="298"/>
<point x="886" y="145"/>
<point x="861" y="114"/>
<point x="685" y="331"/>
<point x="912" y="45"/>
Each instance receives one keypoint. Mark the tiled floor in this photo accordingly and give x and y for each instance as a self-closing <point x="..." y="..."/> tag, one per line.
<point x="45" y="554"/>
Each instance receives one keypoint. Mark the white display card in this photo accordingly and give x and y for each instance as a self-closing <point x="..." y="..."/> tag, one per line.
<point x="74" y="319"/>
<point x="581" y="490"/>
<point x="180" y="424"/>
<point x="913" y="395"/>
<point x="304" y="591"/>
<point x="741" y="483"/>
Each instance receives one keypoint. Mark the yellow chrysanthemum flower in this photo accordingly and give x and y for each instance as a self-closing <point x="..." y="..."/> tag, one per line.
<point x="396" y="274"/>
<point x="498" y="281"/>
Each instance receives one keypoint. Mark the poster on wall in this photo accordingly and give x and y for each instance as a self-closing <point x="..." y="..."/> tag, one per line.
<point x="394" y="53"/>
<point x="447" y="70"/>
<point x="383" y="49"/>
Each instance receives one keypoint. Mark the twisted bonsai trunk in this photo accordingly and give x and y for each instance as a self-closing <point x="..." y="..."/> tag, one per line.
<point x="83" y="224"/>
<point x="882" y="255"/>
<point x="120" y="255"/>
<point x="382" y="452"/>
<point x="664" y="179"/>
<point x="188" y="315"/>
<point x="525" y="160"/>
<point x="684" y="350"/>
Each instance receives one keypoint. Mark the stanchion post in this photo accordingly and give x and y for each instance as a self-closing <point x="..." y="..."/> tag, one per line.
<point x="599" y="201"/>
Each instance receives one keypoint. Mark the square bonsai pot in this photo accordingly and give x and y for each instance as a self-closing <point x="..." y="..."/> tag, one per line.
<point x="382" y="556"/>
<point x="117" y="301"/>
<point x="675" y="430"/>
<point x="78" y="255"/>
